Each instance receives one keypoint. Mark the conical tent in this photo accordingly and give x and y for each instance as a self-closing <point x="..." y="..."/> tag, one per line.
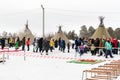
<point x="101" y="32"/>
<point x="61" y="35"/>
<point x="26" y="33"/>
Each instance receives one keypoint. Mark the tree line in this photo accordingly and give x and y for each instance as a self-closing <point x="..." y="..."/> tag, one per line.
<point x="84" y="32"/>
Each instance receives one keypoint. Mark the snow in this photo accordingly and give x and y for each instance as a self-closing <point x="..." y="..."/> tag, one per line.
<point x="45" y="67"/>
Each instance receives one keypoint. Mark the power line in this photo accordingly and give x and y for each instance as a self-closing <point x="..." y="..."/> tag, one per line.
<point x="82" y="11"/>
<point x="20" y="12"/>
<point x="62" y="12"/>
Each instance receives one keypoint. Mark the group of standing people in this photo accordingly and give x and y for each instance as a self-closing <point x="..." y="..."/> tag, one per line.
<point x="41" y="45"/>
<point x="100" y="46"/>
<point x="25" y="42"/>
<point x="15" y="42"/>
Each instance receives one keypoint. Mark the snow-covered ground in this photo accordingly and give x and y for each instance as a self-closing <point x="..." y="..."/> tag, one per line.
<point x="45" y="67"/>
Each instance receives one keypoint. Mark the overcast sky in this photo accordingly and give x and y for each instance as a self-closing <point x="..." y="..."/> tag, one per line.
<point x="71" y="14"/>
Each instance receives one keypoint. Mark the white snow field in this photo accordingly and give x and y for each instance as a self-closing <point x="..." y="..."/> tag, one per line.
<point x="46" y="67"/>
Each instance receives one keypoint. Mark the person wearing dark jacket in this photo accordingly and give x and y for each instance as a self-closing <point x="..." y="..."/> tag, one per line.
<point x="59" y="43"/>
<point x="23" y="43"/>
<point x="56" y="43"/>
<point x="46" y="45"/>
<point x="68" y="46"/>
<point x="28" y="44"/>
<point x="63" y="45"/>
<point x="40" y="45"/>
<point x="73" y="45"/>
<point x="2" y="43"/>
<point x="96" y="43"/>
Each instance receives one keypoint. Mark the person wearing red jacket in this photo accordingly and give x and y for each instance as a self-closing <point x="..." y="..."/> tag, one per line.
<point x="115" y="42"/>
<point x="28" y="44"/>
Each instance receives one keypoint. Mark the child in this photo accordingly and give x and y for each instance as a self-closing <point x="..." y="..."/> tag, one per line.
<point x="81" y="49"/>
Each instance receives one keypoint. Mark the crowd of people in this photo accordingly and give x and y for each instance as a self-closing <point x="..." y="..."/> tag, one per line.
<point x="43" y="44"/>
<point x="98" y="46"/>
<point x="39" y="44"/>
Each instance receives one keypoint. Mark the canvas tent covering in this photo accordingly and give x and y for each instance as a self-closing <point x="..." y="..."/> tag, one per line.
<point x="26" y="33"/>
<point x="61" y="35"/>
<point x="101" y="32"/>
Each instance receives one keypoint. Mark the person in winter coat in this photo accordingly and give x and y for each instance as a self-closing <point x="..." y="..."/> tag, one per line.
<point x="76" y="47"/>
<point x="73" y="45"/>
<point x="108" y="49"/>
<point x="101" y="51"/>
<point x="28" y="44"/>
<point x="52" y="44"/>
<point x="17" y="43"/>
<point x="63" y="45"/>
<point x="56" y="43"/>
<point x="118" y="47"/>
<point x="23" y="43"/>
<point x="40" y="45"/>
<point x="92" y="49"/>
<point x="46" y="45"/>
<point x="68" y="46"/>
<point x="59" y="43"/>
<point x="96" y="43"/>
<point x="11" y="41"/>
<point x="34" y="44"/>
<point x="2" y="43"/>
<point x="81" y="48"/>
<point x="115" y="42"/>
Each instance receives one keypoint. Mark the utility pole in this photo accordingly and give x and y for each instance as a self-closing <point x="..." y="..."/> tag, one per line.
<point x="43" y="21"/>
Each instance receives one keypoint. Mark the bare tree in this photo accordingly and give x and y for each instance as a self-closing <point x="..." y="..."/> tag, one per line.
<point x="15" y="35"/>
<point x="69" y="35"/>
<point x="117" y="33"/>
<point x="111" y="32"/>
<point x="83" y="31"/>
<point x="49" y="36"/>
<point x="73" y="35"/>
<point x="91" y="31"/>
<point x="4" y="34"/>
<point x="65" y="34"/>
<point x="9" y="34"/>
